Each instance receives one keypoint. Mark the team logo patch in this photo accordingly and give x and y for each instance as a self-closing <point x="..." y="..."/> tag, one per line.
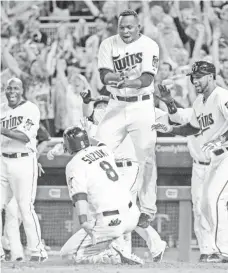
<point x="155" y="61"/>
<point x="28" y="124"/>
<point x="115" y="222"/>
<point x="226" y="104"/>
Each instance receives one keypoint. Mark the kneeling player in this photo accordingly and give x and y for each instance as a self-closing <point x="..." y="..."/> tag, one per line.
<point x="96" y="189"/>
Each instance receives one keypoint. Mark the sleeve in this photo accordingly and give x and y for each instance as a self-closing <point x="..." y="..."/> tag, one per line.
<point x="150" y="58"/>
<point x="193" y="120"/>
<point x="105" y="56"/>
<point x="223" y="104"/>
<point x="30" y="122"/>
<point x="76" y="181"/>
<point x="182" y="116"/>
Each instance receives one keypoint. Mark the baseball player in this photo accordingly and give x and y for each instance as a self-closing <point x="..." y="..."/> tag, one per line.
<point x="96" y="188"/>
<point x="19" y="125"/>
<point x="126" y="163"/>
<point x="210" y="119"/>
<point x="127" y="64"/>
<point x="11" y="234"/>
<point x="199" y="170"/>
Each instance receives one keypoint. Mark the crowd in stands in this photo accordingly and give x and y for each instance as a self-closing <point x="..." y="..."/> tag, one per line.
<point x="56" y="66"/>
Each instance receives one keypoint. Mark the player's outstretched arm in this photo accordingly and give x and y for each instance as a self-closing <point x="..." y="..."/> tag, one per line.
<point x="182" y="130"/>
<point x="57" y="150"/>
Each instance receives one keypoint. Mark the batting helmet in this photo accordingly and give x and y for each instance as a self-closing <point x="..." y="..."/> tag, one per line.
<point x="202" y="68"/>
<point x="75" y="139"/>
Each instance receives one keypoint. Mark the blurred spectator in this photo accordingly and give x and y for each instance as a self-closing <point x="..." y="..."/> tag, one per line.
<point x="39" y="91"/>
<point x="222" y="77"/>
<point x="52" y="61"/>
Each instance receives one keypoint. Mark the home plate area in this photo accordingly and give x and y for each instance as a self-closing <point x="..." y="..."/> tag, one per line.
<point x="169" y="264"/>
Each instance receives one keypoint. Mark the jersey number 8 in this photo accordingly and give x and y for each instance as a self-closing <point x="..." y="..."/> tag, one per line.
<point x="110" y="172"/>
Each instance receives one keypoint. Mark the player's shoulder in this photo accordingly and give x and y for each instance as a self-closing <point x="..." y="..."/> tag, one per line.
<point x="221" y="92"/>
<point x="31" y="105"/>
<point x="148" y="41"/>
<point x="114" y="39"/>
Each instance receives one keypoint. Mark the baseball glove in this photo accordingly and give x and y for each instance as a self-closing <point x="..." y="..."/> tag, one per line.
<point x="165" y="94"/>
<point x="86" y="96"/>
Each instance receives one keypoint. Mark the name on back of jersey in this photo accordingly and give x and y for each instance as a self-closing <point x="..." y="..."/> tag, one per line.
<point x="94" y="156"/>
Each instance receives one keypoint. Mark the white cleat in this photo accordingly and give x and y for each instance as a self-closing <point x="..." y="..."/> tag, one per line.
<point x="127" y="258"/>
<point x="158" y="258"/>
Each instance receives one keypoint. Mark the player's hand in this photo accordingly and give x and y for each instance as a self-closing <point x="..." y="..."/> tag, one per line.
<point x="165" y="94"/>
<point x="50" y="155"/>
<point x="40" y="169"/>
<point x="162" y="127"/>
<point x="89" y="229"/>
<point x="86" y="96"/>
<point x="213" y="145"/>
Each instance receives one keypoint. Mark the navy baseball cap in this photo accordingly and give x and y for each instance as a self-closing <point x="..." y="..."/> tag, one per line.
<point x="202" y="68"/>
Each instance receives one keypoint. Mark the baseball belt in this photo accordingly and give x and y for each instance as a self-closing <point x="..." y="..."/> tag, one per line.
<point x="15" y="155"/>
<point x="121" y="164"/>
<point x="114" y="212"/>
<point x="131" y="98"/>
<point x="220" y="151"/>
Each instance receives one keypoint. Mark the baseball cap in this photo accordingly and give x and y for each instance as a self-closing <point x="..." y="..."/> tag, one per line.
<point x="202" y="68"/>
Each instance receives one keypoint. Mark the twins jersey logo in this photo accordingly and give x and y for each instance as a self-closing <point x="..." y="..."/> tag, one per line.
<point x="11" y="122"/>
<point x="205" y="122"/>
<point x="128" y="62"/>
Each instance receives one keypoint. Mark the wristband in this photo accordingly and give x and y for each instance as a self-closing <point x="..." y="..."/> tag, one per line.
<point x="171" y="107"/>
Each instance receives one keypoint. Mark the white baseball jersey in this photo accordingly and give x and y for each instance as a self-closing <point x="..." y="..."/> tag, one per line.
<point x="25" y="118"/>
<point x="135" y="58"/>
<point x="195" y="142"/>
<point x="93" y="171"/>
<point x="212" y="115"/>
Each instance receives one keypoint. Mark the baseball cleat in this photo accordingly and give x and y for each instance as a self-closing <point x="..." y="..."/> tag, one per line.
<point x="7" y="254"/>
<point x="203" y="258"/>
<point x="125" y="257"/>
<point x="158" y="258"/>
<point x="38" y="259"/>
<point x="2" y="258"/>
<point x="214" y="258"/>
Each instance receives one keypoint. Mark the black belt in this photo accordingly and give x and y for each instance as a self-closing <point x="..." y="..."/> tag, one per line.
<point x="131" y="98"/>
<point x="202" y="163"/>
<point x="114" y="212"/>
<point x="123" y="164"/>
<point x="220" y="151"/>
<point x="15" y="155"/>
